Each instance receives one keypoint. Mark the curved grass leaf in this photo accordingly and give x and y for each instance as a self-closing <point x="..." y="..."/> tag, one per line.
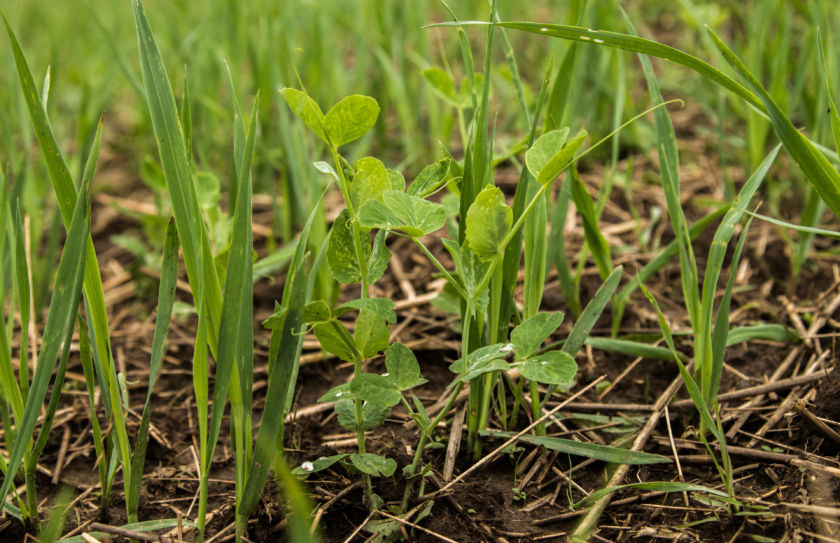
<point x="663" y="486"/>
<point x="635" y="44"/>
<point x="816" y="167"/>
<point x="614" y="455"/>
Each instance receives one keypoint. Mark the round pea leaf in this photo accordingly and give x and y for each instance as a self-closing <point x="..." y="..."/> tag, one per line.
<point x="529" y="335"/>
<point x="373" y="464"/>
<point x="488" y="222"/>
<point x="350" y="119"/>
<point x="551" y="368"/>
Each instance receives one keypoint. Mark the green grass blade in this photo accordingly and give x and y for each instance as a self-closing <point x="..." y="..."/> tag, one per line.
<point x="22" y="288"/>
<point x="631" y="348"/>
<point x="669" y="170"/>
<point x="287" y="343"/>
<point x="614" y="455"/>
<point x="696" y="397"/>
<point x="634" y="44"/>
<point x="65" y="192"/>
<point x="236" y="335"/>
<point x="59" y="326"/>
<point x="192" y="233"/>
<point x="591" y="312"/>
<point x="664" y="256"/>
<point x="595" y="240"/>
<point x="513" y="253"/>
<point x="656" y="486"/>
<point x="769" y="332"/>
<point x="816" y="167"/>
<point x="166" y="299"/>
<point x="720" y="330"/>
<point x="86" y="356"/>
<point x="557" y="241"/>
<point x="708" y="348"/>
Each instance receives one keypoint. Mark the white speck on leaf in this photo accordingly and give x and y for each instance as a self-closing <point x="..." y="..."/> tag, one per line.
<point x="543" y="29"/>
<point x="307" y="466"/>
<point x="587" y="38"/>
<point x="338" y="394"/>
<point x="543" y="363"/>
<point x="386" y="374"/>
<point x="596" y="40"/>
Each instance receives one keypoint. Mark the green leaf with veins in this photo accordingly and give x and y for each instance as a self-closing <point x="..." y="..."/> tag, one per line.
<point x="402" y="366"/>
<point x="397" y="180"/>
<point x="317" y="465"/>
<point x="372" y="333"/>
<point x="482" y="356"/>
<point x="370" y="181"/>
<point x="373" y="415"/>
<point x="560" y="160"/>
<point x="383" y="307"/>
<point x="429" y="179"/>
<point x="529" y="335"/>
<point x="335" y="394"/>
<point x="373" y="464"/>
<point x="341" y="253"/>
<point x="334" y="339"/>
<point x="375" y="388"/>
<point x="317" y="311"/>
<point x="380" y="255"/>
<point x="350" y="119"/>
<point x="544" y="149"/>
<point x="419" y="216"/>
<point x="551" y="368"/>
<point x="488" y="222"/>
<point x="307" y="110"/>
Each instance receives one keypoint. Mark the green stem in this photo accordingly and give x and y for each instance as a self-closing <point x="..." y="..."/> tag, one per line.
<point x="424" y="438"/>
<point x="436" y="263"/>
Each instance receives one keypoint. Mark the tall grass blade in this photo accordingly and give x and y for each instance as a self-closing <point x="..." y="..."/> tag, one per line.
<point x="816" y="167"/>
<point x="57" y="331"/>
<point x="166" y="299"/>
<point x="595" y="240"/>
<point x="589" y="316"/>
<point x="664" y="256"/>
<point x="192" y="233"/>
<point x="65" y="192"/>
<point x="709" y="353"/>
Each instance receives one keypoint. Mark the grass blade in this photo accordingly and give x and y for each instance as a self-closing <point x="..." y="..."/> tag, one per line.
<point x="590" y="314"/>
<point x="58" y="329"/>
<point x="816" y="167"/>
<point x="596" y="242"/>
<point x="65" y="191"/>
<point x="177" y="171"/>
<point x="166" y="299"/>
<point x="614" y="455"/>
